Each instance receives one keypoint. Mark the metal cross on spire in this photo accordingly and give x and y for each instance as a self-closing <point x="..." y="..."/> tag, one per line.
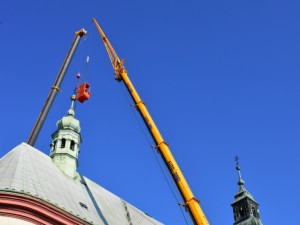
<point x="237" y="160"/>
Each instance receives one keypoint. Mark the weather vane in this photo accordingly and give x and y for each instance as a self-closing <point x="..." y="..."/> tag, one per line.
<point x="237" y="160"/>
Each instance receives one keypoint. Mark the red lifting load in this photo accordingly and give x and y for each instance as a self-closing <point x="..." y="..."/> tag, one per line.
<point x="83" y="92"/>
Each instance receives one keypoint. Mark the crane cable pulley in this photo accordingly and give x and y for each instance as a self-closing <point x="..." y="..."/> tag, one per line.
<point x="83" y="91"/>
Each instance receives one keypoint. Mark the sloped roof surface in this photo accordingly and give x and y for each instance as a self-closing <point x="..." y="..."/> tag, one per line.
<point x="242" y="193"/>
<point x="26" y="170"/>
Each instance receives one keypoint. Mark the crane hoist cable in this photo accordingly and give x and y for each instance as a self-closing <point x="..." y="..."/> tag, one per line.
<point x="83" y="91"/>
<point x="89" y="51"/>
<point x="76" y="89"/>
<point x="81" y="53"/>
<point x="146" y="136"/>
<point x="151" y="146"/>
<point x="85" y="72"/>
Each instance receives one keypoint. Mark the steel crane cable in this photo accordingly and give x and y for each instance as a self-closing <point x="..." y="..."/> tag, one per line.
<point x="143" y="130"/>
<point x="148" y="102"/>
<point x="80" y="55"/>
<point x="162" y="132"/>
<point x="148" y="140"/>
<point x="129" y="69"/>
<point x="86" y="71"/>
<point x="157" y="160"/>
<point x="79" y="69"/>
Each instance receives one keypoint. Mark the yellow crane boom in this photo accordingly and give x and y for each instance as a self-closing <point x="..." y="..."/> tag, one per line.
<point x="191" y="204"/>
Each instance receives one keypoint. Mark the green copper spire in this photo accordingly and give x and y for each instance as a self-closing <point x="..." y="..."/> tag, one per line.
<point x="238" y="168"/>
<point x="69" y="122"/>
<point x="65" y="143"/>
<point x="245" y="208"/>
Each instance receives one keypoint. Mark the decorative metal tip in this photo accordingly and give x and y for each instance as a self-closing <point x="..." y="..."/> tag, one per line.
<point x="241" y="182"/>
<point x="71" y="111"/>
<point x="237" y="160"/>
<point x="238" y="168"/>
<point x="73" y="98"/>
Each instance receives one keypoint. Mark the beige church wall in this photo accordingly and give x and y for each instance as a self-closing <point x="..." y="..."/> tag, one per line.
<point x="12" y="221"/>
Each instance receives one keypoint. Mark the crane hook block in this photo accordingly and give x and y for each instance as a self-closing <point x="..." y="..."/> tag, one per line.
<point x="84" y="92"/>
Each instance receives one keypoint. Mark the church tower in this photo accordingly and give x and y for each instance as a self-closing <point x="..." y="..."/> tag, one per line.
<point x="65" y="143"/>
<point x="245" y="208"/>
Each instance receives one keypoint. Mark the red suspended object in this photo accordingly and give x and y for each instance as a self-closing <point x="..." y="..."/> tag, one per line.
<point x="84" y="92"/>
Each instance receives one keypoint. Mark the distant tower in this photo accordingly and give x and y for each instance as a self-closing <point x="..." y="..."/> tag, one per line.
<point x="65" y="143"/>
<point x="245" y="208"/>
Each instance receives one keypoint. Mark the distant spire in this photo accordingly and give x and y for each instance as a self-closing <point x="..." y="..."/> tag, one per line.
<point x="245" y="208"/>
<point x="238" y="168"/>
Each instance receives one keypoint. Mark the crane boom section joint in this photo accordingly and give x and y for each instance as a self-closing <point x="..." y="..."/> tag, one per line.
<point x="185" y="205"/>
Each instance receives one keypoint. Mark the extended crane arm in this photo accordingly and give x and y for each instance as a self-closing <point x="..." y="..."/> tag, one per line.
<point x="190" y="203"/>
<point x="114" y="59"/>
<point x="55" y="88"/>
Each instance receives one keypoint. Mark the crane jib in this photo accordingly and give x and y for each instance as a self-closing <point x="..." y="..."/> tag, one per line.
<point x="190" y="203"/>
<point x="167" y="157"/>
<point x="147" y="121"/>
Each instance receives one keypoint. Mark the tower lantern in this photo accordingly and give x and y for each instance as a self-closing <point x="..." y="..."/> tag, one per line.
<point x="65" y="143"/>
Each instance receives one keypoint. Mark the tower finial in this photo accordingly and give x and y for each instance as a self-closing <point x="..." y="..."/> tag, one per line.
<point x="238" y="168"/>
<point x="71" y="111"/>
<point x="237" y="160"/>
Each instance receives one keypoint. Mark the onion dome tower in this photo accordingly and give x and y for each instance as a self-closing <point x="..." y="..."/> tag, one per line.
<point x="38" y="189"/>
<point x="245" y="208"/>
<point x="65" y="143"/>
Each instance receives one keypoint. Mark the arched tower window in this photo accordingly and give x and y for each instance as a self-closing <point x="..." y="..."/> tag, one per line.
<point x="63" y="143"/>
<point x="72" y="146"/>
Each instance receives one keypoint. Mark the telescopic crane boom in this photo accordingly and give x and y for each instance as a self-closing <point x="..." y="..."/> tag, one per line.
<point x="191" y="204"/>
<point x="55" y="88"/>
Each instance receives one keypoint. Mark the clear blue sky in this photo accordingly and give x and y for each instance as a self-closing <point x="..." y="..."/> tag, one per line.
<point x="221" y="78"/>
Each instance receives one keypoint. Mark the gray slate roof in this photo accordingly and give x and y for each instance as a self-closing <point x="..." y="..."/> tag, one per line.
<point x="26" y="170"/>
